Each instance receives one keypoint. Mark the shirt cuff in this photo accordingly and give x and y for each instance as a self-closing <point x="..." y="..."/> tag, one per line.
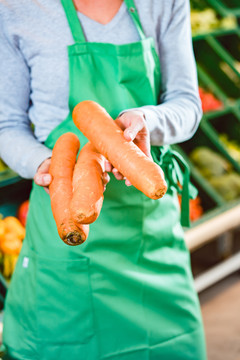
<point x="37" y="158"/>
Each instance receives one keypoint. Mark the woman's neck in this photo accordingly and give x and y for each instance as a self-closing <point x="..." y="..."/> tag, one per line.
<point x="102" y="11"/>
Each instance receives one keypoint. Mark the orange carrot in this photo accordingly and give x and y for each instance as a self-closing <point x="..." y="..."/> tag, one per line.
<point x="104" y="134"/>
<point x="88" y="186"/>
<point x="61" y="168"/>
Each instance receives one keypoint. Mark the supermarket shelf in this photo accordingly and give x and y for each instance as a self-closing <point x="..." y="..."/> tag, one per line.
<point x="217" y="273"/>
<point x="216" y="225"/>
<point x="217" y="32"/>
<point x="8" y="177"/>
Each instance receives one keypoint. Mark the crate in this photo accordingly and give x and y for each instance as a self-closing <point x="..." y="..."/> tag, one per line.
<point x="226" y="7"/>
<point x="216" y="70"/>
<point x="231" y="43"/>
<point x="225" y="123"/>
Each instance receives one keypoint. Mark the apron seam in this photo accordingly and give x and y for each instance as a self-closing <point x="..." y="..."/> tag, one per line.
<point x="141" y="250"/>
<point x="150" y="346"/>
<point x="94" y="317"/>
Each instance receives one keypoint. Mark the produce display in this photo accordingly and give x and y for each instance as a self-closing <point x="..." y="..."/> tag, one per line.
<point x="232" y="146"/>
<point x="22" y="212"/>
<point x="218" y="172"/>
<point x="227" y="185"/>
<point x="209" y="101"/>
<point x="195" y="208"/>
<point x="3" y="166"/>
<point x="231" y="74"/>
<point x="207" y="20"/>
<point x="237" y="65"/>
<point x="12" y="233"/>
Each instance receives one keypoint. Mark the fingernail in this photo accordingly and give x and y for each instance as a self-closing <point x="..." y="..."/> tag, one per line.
<point x="130" y="134"/>
<point x="108" y="167"/>
<point x="46" y="178"/>
<point x="37" y="178"/>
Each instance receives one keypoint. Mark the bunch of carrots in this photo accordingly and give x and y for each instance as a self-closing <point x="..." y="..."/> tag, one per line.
<point x="76" y="190"/>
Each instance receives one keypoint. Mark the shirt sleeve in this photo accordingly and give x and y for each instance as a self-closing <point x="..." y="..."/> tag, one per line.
<point x="19" y="148"/>
<point x="178" y="116"/>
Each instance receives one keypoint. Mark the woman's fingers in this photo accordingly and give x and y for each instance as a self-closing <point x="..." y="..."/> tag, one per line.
<point x="127" y="182"/>
<point x="43" y="179"/>
<point x="135" y="129"/>
<point x="136" y="126"/>
<point x="105" y="178"/>
<point x="116" y="173"/>
<point x="42" y="176"/>
<point x="108" y="166"/>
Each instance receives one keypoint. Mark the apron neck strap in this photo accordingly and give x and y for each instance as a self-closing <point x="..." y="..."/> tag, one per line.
<point x="73" y="20"/>
<point x="75" y="25"/>
<point x="135" y="17"/>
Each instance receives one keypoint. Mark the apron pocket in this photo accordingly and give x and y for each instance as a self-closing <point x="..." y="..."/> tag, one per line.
<point x="64" y="303"/>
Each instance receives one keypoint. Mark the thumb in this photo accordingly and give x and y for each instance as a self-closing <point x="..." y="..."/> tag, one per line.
<point x="131" y="132"/>
<point x="43" y="179"/>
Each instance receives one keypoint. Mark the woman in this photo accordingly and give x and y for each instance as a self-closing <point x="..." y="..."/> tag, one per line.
<point x="127" y="292"/>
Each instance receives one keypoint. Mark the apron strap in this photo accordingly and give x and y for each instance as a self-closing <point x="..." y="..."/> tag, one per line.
<point x="73" y="20"/>
<point x="135" y="17"/>
<point x="75" y="25"/>
<point x="183" y="185"/>
<point x="178" y="175"/>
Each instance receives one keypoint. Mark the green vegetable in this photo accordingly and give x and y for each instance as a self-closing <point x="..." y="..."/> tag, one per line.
<point x="227" y="185"/>
<point x="206" y="20"/>
<point x="232" y="146"/>
<point x="209" y="163"/>
<point x="3" y="166"/>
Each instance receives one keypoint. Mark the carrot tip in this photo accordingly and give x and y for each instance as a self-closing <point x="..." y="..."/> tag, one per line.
<point x="81" y="218"/>
<point x="160" y="193"/>
<point x="74" y="238"/>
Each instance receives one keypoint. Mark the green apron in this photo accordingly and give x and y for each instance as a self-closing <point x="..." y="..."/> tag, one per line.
<point x="127" y="293"/>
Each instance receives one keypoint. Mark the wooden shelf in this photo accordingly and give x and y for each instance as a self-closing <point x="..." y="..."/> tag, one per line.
<point x="217" y="273"/>
<point x="209" y="229"/>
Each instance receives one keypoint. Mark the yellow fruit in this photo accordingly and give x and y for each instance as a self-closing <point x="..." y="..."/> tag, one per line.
<point x="2" y="229"/>
<point x="13" y="225"/>
<point x="11" y="244"/>
<point x="9" y="263"/>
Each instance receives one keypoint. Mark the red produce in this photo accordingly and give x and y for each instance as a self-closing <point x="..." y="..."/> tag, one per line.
<point x="22" y="212"/>
<point x="209" y="102"/>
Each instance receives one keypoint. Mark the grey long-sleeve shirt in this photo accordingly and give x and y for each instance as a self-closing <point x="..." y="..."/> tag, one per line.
<point x="34" y="35"/>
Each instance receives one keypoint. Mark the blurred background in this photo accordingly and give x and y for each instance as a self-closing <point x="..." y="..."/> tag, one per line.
<point x="213" y="155"/>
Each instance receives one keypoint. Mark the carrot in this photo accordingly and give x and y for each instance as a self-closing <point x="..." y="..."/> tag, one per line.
<point x="98" y="126"/>
<point x="88" y="186"/>
<point x="61" y="168"/>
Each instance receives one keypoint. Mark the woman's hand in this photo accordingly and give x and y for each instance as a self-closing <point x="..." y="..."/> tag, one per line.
<point x="43" y="178"/>
<point x="135" y="129"/>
